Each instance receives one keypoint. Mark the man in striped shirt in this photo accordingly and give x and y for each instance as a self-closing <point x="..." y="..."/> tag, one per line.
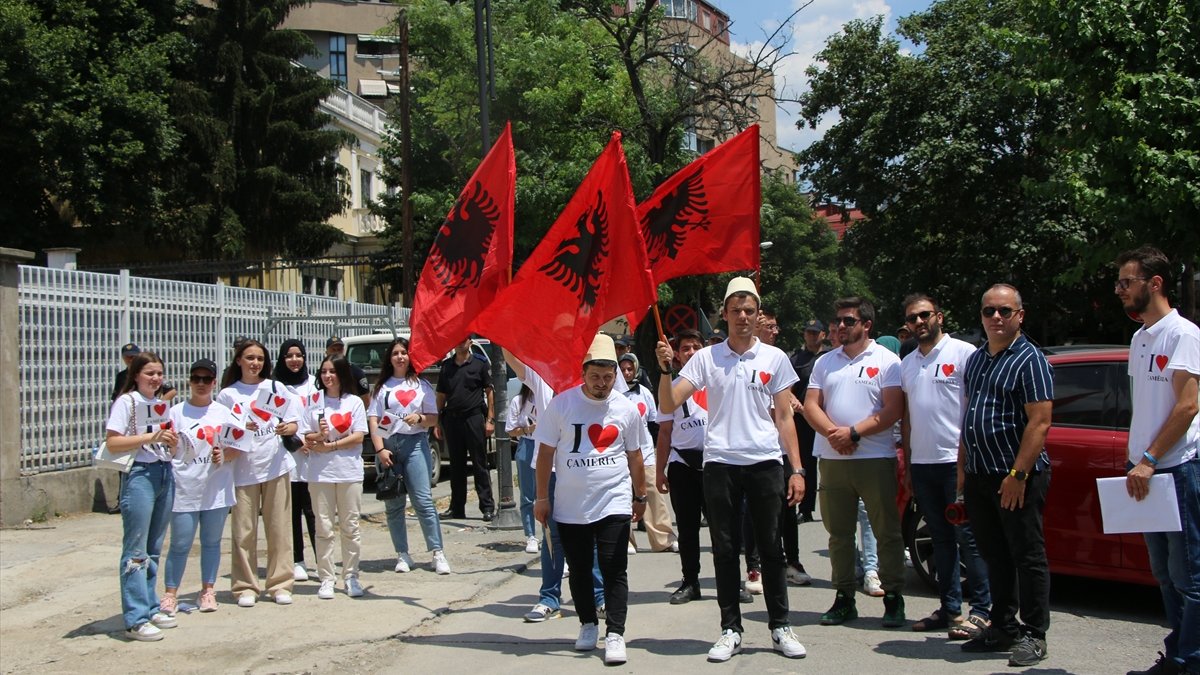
<point x="1004" y="473"/>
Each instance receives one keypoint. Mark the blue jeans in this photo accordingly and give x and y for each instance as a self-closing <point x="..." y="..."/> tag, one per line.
<point x="410" y="461"/>
<point x="527" y="478"/>
<point x="868" y="549"/>
<point x="147" y="493"/>
<point x="1175" y="561"/>
<point x="183" y="533"/>
<point x="934" y="488"/>
<point x="550" y="593"/>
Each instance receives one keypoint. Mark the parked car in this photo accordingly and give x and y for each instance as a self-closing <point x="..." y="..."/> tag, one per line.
<point x="1087" y="440"/>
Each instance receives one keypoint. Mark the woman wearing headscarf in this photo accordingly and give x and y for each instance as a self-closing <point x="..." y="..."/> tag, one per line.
<point x="291" y="370"/>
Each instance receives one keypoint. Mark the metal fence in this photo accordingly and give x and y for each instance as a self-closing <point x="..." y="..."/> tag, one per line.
<point x="72" y="325"/>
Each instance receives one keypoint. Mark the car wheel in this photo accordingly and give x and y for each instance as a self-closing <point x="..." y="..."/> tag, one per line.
<point x="919" y="544"/>
<point x="435" y="461"/>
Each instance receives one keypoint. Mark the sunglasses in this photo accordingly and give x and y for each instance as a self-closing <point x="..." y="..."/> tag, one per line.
<point x="846" y="321"/>
<point x="202" y="379"/>
<point x="923" y="316"/>
<point x="1005" y="312"/>
<point x="1124" y="284"/>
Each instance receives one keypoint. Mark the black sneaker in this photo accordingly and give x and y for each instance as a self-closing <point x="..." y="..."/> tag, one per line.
<point x="843" y="610"/>
<point x="744" y="596"/>
<point x="1163" y="666"/>
<point x="1028" y="651"/>
<point x="893" y="610"/>
<point x="451" y="513"/>
<point x="990" y="640"/>
<point x="687" y="592"/>
<point x="488" y="516"/>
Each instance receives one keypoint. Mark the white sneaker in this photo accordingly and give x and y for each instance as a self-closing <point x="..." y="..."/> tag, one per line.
<point x="540" y="613"/>
<point x="353" y="588"/>
<point x="146" y="632"/>
<point x="403" y="562"/>
<point x="796" y="575"/>
<point x="439" y="563"/>
<point x="601" y="612"/>
<point x="325" y="592"/>
<point x="247" y="598"/>
<point x="784" y="641"/>
<point x="631" y="550"/>
<point x="674" y="547"/>
<point x="727" y="645"/>
<point x="162" y="620"/>
<point x="566" y="569"/>
<point x="531" y="545"/>
<point x="754" y="582"/>
<point x="283" y="598"/>
<point x="299" y="573"/>
<point x="589" y="633"/>
<point x="614" y="649"/>
<point x="872" y="585"/>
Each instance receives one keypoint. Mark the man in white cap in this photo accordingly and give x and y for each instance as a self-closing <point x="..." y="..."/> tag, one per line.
<point x="594" y="438"/>
<point x="750" y="416"/>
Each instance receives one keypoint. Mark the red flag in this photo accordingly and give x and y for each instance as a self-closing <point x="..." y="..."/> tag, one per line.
<point x="705" y="218"/>
<point x="470" y="260"/>
<point x="590" y="267"/>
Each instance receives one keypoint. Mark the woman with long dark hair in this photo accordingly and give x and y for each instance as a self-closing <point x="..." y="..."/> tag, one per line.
<point x="261" y="476"/>
<point x="333" y="434"/>
<point x="520" y="424"/>
<point x="147" y="493"/>
<point x="291" y="370"/>
<point x="403" y="408"/>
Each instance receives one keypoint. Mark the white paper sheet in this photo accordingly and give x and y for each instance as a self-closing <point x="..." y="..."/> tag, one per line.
<point x="1158" y="512"/>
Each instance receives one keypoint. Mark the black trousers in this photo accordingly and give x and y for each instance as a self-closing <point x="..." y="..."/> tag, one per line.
<point x="302" y="512"/>
<point x="788" y="530"/>
<point x="762" y="487"/>
<point x="807" y="437"/>
<point x="1013" y="545"/>
<point x="608" y="538"/>
<point x="465" y="438"/>
<point x="687" y="499"/>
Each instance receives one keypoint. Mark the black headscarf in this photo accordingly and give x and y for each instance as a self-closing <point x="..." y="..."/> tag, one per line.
<point x="284" y="374"/>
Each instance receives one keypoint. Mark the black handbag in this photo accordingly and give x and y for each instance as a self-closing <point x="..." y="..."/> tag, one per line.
<point x="291" y="442"/>
<point x="388" y="485"/>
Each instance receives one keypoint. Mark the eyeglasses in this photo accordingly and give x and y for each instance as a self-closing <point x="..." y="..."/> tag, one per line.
<point x="846" y="321"/>
<point x="1123" y="284"/>
<point x="1005" y="312"/>
<point x="923" y="316"/>
<point x="202" y="379"/>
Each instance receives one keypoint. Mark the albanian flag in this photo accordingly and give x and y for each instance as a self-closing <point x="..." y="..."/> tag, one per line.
<point x="470" y="260"/>
<point x="590" y="267"/>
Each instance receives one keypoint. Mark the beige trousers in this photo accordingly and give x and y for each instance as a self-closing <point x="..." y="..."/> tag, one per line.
<point x="657" y="517"/>
<point x="274" y="499"/>
<point x="343" y="501"/>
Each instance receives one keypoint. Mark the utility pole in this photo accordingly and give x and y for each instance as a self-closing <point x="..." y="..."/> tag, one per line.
<point x="406" y="226"/>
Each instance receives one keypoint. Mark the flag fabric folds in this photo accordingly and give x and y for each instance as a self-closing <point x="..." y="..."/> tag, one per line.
<point x="470" y="260"/>
<point x="590" y="267"/>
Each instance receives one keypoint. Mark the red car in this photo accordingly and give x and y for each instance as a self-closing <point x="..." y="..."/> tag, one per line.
<point x="1087" y="440"/>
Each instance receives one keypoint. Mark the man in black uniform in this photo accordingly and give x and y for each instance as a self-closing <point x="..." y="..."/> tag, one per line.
<point x="468" y="417"/>
<point x="335" y="347"/>
<point x="803" y="360"/>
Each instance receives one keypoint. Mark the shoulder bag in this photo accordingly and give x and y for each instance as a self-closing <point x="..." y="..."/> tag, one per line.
<point x="118" y="461"/>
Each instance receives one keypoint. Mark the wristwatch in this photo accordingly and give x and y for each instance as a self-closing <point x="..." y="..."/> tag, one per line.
<point x="799" y="472"/>
<point x="1019" y="475"/>
<point x="854" y="436"/>
<point x="641" y="499"/>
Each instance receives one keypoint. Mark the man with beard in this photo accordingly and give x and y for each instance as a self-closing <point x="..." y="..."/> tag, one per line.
<point x="1164" y="367"/>
<point x="853" y="401"/>
<point x="1005" y="473"/>
<point x="931" y="376"/>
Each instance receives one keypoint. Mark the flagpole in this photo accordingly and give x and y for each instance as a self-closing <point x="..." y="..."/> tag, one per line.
<point x="658" y="323"/>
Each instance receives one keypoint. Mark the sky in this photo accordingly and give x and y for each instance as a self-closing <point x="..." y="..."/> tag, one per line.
<point x="752" y="21"/>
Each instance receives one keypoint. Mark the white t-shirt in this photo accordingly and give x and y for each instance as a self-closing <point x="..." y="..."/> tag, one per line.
<point x="936" y="399"/>
<point x="201" y="485"/>
<point x="519" y="414"/>
<point x="268" y="459"/>
<point x="643" y="400"/>
<point x="542" y="395"/>
<point x="688" y="423"/>
<point x="399" y="397"/>
<point x="343" y="416"/>
<point x="741" y="389"/>
<point x="303" y="393"/>
<point x="851" y="389"/>
<point x="591" y="439"/>
<point x="118" y="421"/>
<point x="1172" y="343"/>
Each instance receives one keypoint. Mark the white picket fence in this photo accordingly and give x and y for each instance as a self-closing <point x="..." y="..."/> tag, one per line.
<point x="72" y="326"/>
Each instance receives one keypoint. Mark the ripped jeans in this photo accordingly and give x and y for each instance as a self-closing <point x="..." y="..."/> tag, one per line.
<point x="147" y="494"/>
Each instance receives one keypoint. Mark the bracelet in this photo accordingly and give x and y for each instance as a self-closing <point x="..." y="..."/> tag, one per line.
<point x="1150" y="458"/>
<point x="543" y="499"/>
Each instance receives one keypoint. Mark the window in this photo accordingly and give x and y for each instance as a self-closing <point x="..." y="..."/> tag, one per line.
<point x="364" y="188"/>
<point x="376" y="46"/>
<point x="680" y="9"/>
<point x="319" y="285"/>
<point x="1083" y="397"/>
<point x="337" y="58"/>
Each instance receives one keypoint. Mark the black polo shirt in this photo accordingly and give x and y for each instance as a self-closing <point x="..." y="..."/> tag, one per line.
<point x="998" y="388"/>
<point x="464" y="386"/>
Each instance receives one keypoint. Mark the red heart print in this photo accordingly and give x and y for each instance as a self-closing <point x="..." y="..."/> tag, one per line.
<point x="237" y="434"/>
<point x="161" y="408"/>
<point x="316" y="395"/>
<point x="1161" y="361"/>
<point x="406" y="396"/>
<point x="209" y="433"/>
<point x="947" y="369"/>
<point x="340" y="421"/>
<point x="237" y="408"/>
<point x="385" y="421"/>
<point x="642" y="409"/>
<point x="701" y="398"/>
<point x="279" y="401"/>
<point x="765" y="377"/>
<point x="260" y="413"/>
<point x="602" y="437"/>
<point x="872" y="372"/>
